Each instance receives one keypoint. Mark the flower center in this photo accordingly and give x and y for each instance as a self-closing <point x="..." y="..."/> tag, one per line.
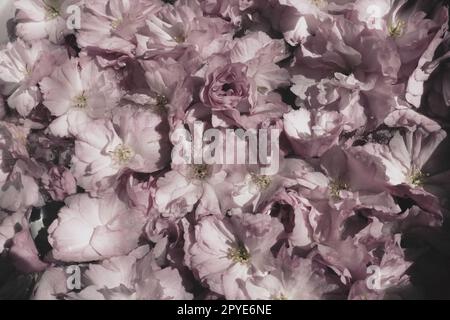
<point x="238" y="255"/>
<point x="199" y="171"/>
<point x="27" y="70"/>
<point x="417" y="178"/>
<point x="336" y="187"/>
<point x="80" y="101"/>
<point x="116" y="23"/>
<point x="227" y="86"/>
<point x="161" y="102"/>
<point x="179" y="39"/>
<point x="122" y="154"/>
<point x="396" y="29"/>
<point x="159" y="105"/>
<point x="22" y="138"/>
<point x="319" y="3"/>
<point x="51" y="11"/>
<point x="262" y="182"/>
<point x="280" y="296"/>
<point x="262" y="90"/>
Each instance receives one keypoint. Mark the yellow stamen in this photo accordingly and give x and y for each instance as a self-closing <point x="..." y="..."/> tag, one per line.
<point x="116" y="23"/>
<point x="161" y="101"/>
<point x="319" y="3"/>
<point x="239" y="255"/>
<point x="80" y="101"/>
<point x="263" y="182"/>
<point x="336" y="187"/>
<point x="122" y="154"/>
<point x="199" y="171"/>
<point x="280" y="296"/>
<point x="417" y="178"/>
<point x="262" y="90"/>
<point x="396" y="29"/>
<point x="52" y="12"/>
<point x="179" y="39"/>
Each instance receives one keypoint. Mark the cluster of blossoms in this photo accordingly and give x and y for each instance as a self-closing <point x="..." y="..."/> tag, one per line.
<point x="360" y="91"/>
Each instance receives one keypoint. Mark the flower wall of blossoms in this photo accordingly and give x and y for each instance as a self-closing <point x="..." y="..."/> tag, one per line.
<point x="93" y="205"/>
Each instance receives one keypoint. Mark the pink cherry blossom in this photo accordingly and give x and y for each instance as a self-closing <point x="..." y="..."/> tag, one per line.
<point x="90" y="229"/>
<point x="22" y="67"/>
<point x="40" y="19"/>
<point x="127" y="150"/>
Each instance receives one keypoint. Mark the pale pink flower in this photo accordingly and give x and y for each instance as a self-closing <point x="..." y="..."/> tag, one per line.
<point x="59" y="183"/>
<point x="253" y="189"/>
<point x="19" y="188"/>
<point x="90" y="229"/>
<point x="145" y="133"/>
<point x="101" y="155"/>
<point x="406" y="154"/>
<point x="225" y="253"/>
<point x="313" y="133"/>
<point x="8" y="225"/>
<point x="131" y="277"/>
<point x="229" y="9"/>
<point x="182" y="188"/>
<point x="182" y="30"/>
<point x="227" y="88"/>
<point x="261" y="53"/>
<point x="347" y="258"/>
<point x="43" y="19"/>
<point x="24" y="254"/>
<point x="373" y="12"/>
<point x="112" y="25"/>
<point x="80" y="84"/>
<point x="51" y="285"/>
<point x="170" y="89"/>
<point x="296" y="279"/>
<point x="22" y="66"/>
